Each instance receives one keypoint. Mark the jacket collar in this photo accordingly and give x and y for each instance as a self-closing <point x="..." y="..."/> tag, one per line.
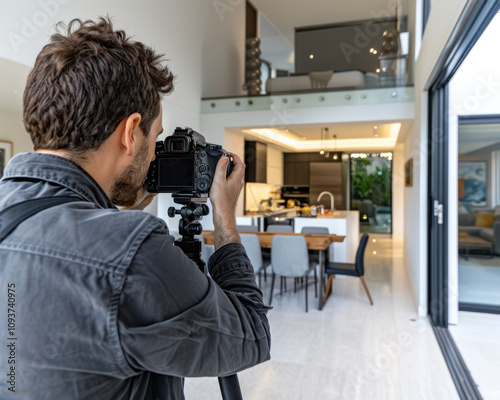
<point x="57" y="170"/>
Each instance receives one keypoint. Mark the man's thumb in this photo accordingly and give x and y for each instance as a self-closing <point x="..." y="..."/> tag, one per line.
<point x="222" y="166"/>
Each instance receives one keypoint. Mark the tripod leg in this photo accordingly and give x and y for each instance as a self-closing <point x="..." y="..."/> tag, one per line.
<point x="230" y="388"/>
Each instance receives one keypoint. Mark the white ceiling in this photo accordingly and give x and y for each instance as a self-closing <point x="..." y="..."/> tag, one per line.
<point x="349" y="137"/>
<point x="14" y="77"/>
<point x="286" y="15"/>
<point x="478" y="139"/>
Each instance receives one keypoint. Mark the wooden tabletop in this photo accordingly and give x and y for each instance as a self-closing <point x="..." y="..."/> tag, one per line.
<point x="315" y="241"/>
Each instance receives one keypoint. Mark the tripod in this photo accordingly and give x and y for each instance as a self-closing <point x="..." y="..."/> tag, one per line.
<point x="192" y="211"/>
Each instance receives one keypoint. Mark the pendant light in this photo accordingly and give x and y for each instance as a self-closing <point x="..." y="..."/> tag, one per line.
<point x="335" y="155"/>
<point x="322" y="151"/>
<point x="326" y="139"/>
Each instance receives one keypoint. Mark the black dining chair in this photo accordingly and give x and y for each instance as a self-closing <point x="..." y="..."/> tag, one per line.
<point x="357" y="269"/>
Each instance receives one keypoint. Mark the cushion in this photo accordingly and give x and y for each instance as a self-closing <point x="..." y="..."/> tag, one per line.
<point x="484" y="220"/>
<point x="487" y="234"/>
<point x="339" y="80"/>
<point x="466" y="219"/>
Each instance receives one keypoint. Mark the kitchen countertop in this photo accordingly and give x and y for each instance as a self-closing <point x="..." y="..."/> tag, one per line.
<point x="271" y="213"/>
<point x="335" y="214"/>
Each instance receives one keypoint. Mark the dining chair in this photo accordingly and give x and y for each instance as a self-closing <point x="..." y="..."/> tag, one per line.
<point x="289" y="259"/>
<point x="315" y="229"/>
<point x="251" y="244"/>
<point x="314" y="254"/>
<point x="280" y="228"/>
<point x="357" y="269"/>
<point x="247" y="228"/>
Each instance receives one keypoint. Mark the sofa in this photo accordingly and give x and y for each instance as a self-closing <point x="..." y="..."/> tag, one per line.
<point x="322" y="80"/>
<point x="482" y="223"/>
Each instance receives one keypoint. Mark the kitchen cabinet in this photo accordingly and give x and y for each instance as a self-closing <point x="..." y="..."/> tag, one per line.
<point x="256" y="162"/>
<point x="296" y="173"/>
<point x="297" y="167"/>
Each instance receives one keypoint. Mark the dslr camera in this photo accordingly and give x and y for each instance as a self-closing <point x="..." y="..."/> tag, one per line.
<point x="185" y="164"/>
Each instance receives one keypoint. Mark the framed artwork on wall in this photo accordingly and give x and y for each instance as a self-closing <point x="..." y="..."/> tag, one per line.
<point x="409" y="172"/>
<point x="474" y="175"/>
<point x="6" y="152"/>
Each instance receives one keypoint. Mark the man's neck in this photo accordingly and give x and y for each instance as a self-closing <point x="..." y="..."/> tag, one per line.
<point x="97" y="167"/>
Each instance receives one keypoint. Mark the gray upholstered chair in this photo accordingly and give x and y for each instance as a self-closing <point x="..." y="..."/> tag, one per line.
<point x="314" y="254"/>
<point x="315" y="229"/>
<point x="357" y="269"/>
<point x="252" y="246"/>
<point x="247" y="228"/>
<point x="289" y="258"/>
<point x="280" y="228"/>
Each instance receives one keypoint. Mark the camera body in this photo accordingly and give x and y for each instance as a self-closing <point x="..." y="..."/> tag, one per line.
<point x="185" y="164"/>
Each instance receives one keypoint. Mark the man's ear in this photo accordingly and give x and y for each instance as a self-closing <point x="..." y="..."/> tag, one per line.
<point x="130" y="135"/>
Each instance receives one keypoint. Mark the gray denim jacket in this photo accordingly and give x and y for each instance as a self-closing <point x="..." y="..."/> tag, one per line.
<point x="102" y="305"/>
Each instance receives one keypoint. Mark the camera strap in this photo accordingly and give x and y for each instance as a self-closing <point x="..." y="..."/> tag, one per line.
<point x="13" y="215"/>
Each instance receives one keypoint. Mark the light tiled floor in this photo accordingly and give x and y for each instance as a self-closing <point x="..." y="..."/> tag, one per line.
<point x="350" y="350"/>
<point x="477" y="336"/>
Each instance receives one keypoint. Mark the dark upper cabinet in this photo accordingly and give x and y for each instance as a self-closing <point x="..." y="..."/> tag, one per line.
<point x="302" y="173"/>
<point x="289" y="176"/>
<point x="296" y="167"/>
<point x="256" y="162"/>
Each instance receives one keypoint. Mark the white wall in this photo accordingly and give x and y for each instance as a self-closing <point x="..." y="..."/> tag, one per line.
<point x="443" y="17"/>
<point x="223" y="48"/>
<point x="398" y="193"/>
<point x="13" y="131"/>
<point x="274" y="165"/>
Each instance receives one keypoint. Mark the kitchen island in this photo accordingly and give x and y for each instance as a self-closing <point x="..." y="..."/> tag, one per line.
<point x="345" y="223"/>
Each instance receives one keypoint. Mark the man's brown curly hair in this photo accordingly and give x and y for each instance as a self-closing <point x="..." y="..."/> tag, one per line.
<point x="85" y="81"/>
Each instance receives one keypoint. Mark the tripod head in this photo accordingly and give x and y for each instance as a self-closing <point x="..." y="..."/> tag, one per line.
<point x="192" y="211"/>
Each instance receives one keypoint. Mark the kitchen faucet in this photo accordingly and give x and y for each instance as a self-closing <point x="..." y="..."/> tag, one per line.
<point x="332" y="199"/>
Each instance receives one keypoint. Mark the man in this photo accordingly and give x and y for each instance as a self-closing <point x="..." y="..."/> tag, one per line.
<point x="104" y="306"/>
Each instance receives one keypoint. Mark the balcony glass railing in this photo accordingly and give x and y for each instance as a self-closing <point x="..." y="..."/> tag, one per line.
<point x="309" y="99"/>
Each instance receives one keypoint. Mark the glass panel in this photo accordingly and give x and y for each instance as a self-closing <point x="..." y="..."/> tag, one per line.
<point x="371" y="191"/>
<point x="478" y="166"/>
<point x="479" y="213"/>
<point x="308" y="100"/>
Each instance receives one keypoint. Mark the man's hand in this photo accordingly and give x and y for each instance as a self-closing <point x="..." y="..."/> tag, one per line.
<point x="144" y="199"/>
<point x="224" y="195"/>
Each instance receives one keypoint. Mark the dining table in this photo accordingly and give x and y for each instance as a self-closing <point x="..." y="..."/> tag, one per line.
<point x="315" y="241"/>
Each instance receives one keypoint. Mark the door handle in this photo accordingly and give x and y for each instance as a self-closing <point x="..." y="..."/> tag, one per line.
<point x="439" y="211"/>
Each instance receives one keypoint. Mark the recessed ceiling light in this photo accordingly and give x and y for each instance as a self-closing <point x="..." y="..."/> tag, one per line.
<point x="376" y="135"/>
<point x="375" y="127"/>
<point x="311" y="56"/>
